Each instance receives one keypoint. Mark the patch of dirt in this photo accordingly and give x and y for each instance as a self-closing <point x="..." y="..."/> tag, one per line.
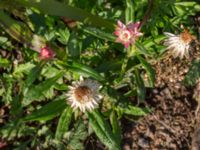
<point x="171" y="125"/>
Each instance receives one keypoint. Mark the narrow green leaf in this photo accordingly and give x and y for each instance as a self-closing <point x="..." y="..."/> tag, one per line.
<point x="141" y="91"/>
<point x="133" y="110"/>
<point x="82" y="70"/>
<point x="16" y="29"/>
<point x="129" y="12"/>
<point x="101" y="134"/>
<point x="106" y="129"/>
<point x="47" y="112"/>
<point x="115" y="126"/>
<point x="64" y="122"/>
<point x="56" y="8"/>
<point x="100" y="34"/>
<point x="149" y="70"/>
<point x="141" y="49"/>
<point x="35" y="92"/>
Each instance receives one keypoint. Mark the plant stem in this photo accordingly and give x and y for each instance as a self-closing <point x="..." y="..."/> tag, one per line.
<point x="147" y="13"/>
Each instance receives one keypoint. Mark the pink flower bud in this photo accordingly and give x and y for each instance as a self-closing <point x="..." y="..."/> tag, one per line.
<point x="46" y="53"/>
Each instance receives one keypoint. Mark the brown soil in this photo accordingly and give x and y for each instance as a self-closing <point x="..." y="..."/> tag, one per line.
<point x="172" y="124"/>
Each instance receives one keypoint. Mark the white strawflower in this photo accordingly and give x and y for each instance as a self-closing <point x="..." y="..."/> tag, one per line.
<point x="84" y="94"/>
<point x="179" y="44"/>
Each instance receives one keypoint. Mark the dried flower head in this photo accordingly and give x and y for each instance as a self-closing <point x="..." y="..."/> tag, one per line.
<point x="127" y="34"/>
<point x="37" y="43"/>
<point x="84" y="94"/>
<point x="179" y="44"/>
<point x="46" y="53"/>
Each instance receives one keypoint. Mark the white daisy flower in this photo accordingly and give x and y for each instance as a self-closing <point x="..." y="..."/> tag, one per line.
<point x="179" y="44"/>
<point x="84" y="94"/>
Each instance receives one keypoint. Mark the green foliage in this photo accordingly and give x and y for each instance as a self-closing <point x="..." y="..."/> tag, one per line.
<point x="81" y="35"/>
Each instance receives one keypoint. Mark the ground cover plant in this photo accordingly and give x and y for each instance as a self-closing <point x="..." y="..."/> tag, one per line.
<point x="71" y="70"/>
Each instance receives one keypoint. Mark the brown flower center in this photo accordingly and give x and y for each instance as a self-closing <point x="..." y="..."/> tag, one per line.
<point x="187" y="37"/>
<point x="83" y="94"/>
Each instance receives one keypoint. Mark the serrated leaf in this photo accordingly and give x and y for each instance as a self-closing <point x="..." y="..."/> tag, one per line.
<point x="24" y="68"/>
<point x="63" y="123"/>
<point x="35" y="92"/>
<point x="149" y="70"/>
<point x="47" y="112"/>
<point x="77" y="136"/>
<point x="33" y="75"/>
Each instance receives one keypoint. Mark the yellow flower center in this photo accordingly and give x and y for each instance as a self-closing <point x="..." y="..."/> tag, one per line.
<point x="83" y="94"/>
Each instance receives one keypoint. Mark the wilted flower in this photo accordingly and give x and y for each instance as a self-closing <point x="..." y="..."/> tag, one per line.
<point x="179" y="44"/>
<point x="84" y="94"/>
<point x="127" y="34"/>
<point x="46" y="53"/>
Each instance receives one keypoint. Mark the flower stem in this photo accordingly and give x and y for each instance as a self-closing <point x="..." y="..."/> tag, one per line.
<point x="147" y="13"/>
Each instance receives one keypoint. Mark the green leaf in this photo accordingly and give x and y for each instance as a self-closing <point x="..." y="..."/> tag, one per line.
<point x="63" y="124"/>
<point x="4" y="62"/>
<point x="16" y="29"/>
<point x="63" y="36"/>
<point x="25" y="68"/>
<point x="193" y="74"/>
<point x="47" y="112"/>
<point x="133" y="110"/>
<point x="149" y="70"/>
<point x="103" y="130"/>
<point x="33" y="74"/>
<point x="141" y="91"/>
<point x="82" y="70"/>
<point x="141" y="49"/>
<point x="74" y="46"/>
<point x="115" y="126"/>
<point x="129" y="12"/>
<point x="77" y="136"/>
<point x="37" y="91"/>
<point x="56" y="8"/>
<point x="100" y="34"/>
